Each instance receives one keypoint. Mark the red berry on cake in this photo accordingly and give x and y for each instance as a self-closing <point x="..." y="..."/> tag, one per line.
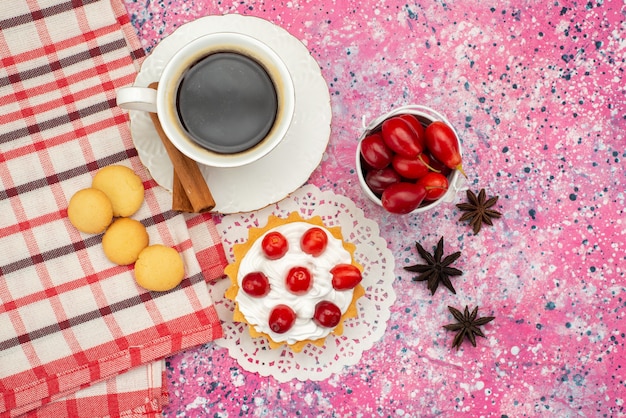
<point x="298" y="280"/>
<point x="274" y="245"/>
<point x="255" y="284"/>
<point x="314" y="241"/>
<point x="327" y="314"/>
<point x="281" y="319"/>
<point x="345" y="276"/>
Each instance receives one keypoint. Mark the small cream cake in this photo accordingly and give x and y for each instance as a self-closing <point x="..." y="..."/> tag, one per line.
<point x="294" y="281"/>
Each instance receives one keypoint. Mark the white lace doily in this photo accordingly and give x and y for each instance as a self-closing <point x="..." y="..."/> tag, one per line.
<point x="360" y="333"/>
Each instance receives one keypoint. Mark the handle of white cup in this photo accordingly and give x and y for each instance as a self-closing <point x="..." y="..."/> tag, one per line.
<point x="458" y="184"/>
<point x="137" y="98"/>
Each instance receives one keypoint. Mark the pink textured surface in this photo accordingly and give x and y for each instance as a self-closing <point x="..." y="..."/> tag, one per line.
<point x="536" y="91"/>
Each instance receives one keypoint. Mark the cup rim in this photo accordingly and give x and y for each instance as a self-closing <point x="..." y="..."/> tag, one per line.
<point x="225" y="42"/>
<point x="455" y="178"/>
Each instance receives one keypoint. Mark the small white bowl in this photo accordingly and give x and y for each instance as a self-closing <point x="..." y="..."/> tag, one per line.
<point x="426" y="115"/>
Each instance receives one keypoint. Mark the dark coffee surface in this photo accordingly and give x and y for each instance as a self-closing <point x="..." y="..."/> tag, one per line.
<point x="227" y="102"/>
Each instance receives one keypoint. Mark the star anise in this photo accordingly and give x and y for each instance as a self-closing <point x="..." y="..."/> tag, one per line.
<point x="467" y="325"/>
<point x="478" y="209"/>
<point x="435" y="270"/>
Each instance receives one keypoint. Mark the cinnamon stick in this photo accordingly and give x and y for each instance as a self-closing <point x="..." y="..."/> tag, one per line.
<point x="191" y="192"/>
<point x="180" y="201"/>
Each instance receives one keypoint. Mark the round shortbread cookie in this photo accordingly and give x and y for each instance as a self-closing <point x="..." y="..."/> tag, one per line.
<point x="123" y="187"/>
<point x="159" y="268"/>
<point x="90" y="211"/>
<point x="124" y="240"/>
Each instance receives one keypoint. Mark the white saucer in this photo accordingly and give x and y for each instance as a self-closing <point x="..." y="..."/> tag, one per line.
<point x="290" y="164"/>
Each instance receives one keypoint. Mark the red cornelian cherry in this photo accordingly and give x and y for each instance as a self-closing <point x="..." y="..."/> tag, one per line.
<point x="345" y="276"/>
<point x="375" y="152"/>
<point x="274" y="245"/>
<point x="411" y="168"/>
<point x="327" y="314"/>
<point x="298" y="280"/>
<point x="281" y="319"/>
<point x="400" y="136"/>
<point x="415" y="124"/>
<point x="443" y="145"/>
<point x="379" y="180"/>
<point x="314" y="241"/>
<point x="255" y="284"/>
<point x="436" y="185"/>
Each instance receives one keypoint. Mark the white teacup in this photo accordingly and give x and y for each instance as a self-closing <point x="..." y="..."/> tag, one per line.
<point x="224" y="99"/>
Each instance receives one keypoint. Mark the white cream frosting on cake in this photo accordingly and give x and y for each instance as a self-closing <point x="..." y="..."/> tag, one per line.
<point x="257" y="309"/>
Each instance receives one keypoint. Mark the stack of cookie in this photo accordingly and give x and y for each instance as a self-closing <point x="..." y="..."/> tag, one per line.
<point x="116" y="193"/>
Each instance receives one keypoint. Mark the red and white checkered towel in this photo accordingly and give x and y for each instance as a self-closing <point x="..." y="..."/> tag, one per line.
<point x="68" y="317"/>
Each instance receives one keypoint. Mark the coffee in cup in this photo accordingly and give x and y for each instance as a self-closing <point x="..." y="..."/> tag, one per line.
<point x="224" y="99"/>
<point x="227" y="102"/>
